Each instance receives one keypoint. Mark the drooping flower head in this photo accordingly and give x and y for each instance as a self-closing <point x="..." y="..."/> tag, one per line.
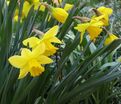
<point x="93" y="28"/>
<point x="58" y="13"/>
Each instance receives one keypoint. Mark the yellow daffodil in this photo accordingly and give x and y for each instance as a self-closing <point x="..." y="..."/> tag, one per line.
<point x="68" y="7"/>
<point x="58" y="13"/>
<point x="93" y="28"/>
<point x="110" y="38"/>
<point x="104" y="13"/>
<point x="30" y="61"/>
<point x="47" y="39"/>
<point x="63" y="16"/>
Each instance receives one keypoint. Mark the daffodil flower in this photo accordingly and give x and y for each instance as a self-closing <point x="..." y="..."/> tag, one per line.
<point x="110" y="39"/>
<point x="30" y="61"/>
<point x="58" y="13"/>
<point x="93" y="28"/>
<point x="47" y="39"/>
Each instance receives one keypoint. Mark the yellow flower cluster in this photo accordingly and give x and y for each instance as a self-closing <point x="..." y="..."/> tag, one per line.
<point x="33" y="60"/>
<point x="60" y="14"/>
<point x="94" y="26"/>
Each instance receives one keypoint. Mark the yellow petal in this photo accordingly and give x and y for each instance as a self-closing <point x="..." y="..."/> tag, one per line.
<point x="55" y="40"/>
<point x="82" y="27"/>
<point x="103" y="18"/>
<point x="23" y="73"/>
<point x="51" y="32"/>
<point x="96" y="23"/>
<point x="50" y="49"/>
<point x="68" y="7"/>
<point x="40" y="49"/>
<point x="25" y="52"/>
<point x="104" y="10"/>
<point x="50" y="52"/>
<point x="49" y="46"/>
<point x="26" y="8"/>
<point x="35" y="1"/>
<point x="44" y="59"/>
<point x="17" y="61"/>
<point x="32" y="42"/>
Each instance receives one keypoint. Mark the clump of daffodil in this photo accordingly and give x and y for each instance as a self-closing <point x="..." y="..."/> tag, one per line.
<point x="110" y="39"/>
<point x="47" y="39"/>
<point x="58" y="13"/>
<point x="105" y="13"/>
<point x="93" y="28"/>
<point x="30" y="61"/>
